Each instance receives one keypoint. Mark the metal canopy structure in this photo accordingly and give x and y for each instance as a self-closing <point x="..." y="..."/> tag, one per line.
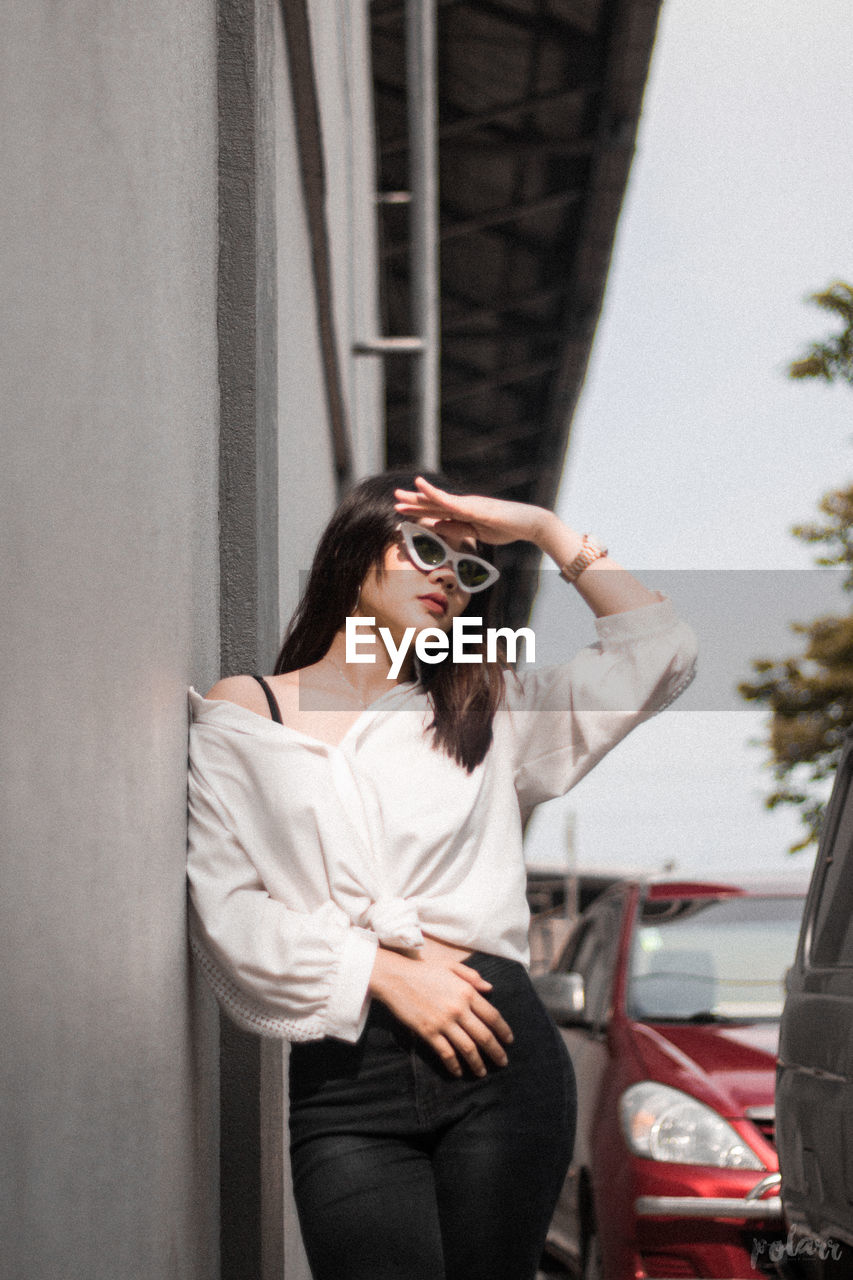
<point x="538" y="105"/>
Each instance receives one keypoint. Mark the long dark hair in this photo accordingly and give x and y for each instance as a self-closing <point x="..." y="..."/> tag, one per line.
<point x="464" y="696"/>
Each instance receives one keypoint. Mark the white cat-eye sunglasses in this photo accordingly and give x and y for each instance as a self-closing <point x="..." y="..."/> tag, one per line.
<point x="429" y="551"/>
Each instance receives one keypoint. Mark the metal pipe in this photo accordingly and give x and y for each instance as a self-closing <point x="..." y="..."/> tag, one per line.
<point x="422" y="94"/>
<point x="388" y="347"/>
<point x="744" y="1210"/>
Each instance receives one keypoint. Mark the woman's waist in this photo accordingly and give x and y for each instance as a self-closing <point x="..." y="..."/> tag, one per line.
<point x="441" y="952"/>
<point x="386" y="1040"/>
<point x="505" y="975"/>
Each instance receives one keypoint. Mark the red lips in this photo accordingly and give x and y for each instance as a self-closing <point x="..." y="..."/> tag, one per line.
<point x="435" y="598"/>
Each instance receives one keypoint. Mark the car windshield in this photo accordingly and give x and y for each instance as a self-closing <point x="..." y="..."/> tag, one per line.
<point x="708" y="960"/>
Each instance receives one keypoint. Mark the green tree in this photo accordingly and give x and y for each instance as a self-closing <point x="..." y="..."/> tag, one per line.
<point x="810" y="696"/>
<point x="833" y="358"/>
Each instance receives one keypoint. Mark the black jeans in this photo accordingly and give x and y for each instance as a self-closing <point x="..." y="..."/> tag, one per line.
<point x="404" y="1172"/>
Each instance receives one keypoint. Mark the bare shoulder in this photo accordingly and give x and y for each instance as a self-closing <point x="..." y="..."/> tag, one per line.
<point x="243" y="690"/>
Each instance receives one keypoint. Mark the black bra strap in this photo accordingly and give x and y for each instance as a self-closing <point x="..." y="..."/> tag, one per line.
<point x="273" y="705"/>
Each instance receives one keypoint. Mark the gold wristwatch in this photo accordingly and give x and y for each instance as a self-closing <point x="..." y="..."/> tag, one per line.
<point x="590" y="551"/>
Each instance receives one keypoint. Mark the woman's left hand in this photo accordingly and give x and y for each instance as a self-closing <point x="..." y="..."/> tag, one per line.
<point x="493" y="520"/>
<point x="604" y="585"/>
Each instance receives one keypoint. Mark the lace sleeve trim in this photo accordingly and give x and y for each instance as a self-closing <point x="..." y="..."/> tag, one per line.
<point x="246" y="1012"/>
<point x="687" y="679"/>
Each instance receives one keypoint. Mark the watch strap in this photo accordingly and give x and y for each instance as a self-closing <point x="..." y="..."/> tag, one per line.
<point x="590" y="551"/>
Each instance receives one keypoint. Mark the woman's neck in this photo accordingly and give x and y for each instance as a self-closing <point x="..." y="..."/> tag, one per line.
<point x="369" y="680"/>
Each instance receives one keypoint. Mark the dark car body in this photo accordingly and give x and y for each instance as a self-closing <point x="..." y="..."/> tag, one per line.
<point x="815" y="1073"/>
<point x="674" y="1046"/>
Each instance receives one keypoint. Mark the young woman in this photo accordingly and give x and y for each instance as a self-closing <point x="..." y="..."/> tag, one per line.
<point x="358" y="884"/>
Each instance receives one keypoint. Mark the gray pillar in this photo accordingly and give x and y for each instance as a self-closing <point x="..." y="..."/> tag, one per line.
<point x="248" y="553"/>
<point x="248" y="488"/>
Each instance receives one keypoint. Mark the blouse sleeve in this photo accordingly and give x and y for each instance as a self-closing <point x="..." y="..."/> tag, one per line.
<point x="294" y="975"/>
<point x="563" y="719"/>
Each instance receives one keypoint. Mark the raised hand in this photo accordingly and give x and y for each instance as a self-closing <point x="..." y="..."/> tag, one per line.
<point x="605" y="585"/>
<point x="493" y="520"/>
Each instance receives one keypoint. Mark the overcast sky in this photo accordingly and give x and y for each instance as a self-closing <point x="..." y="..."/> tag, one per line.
<point x="691" y="450"/>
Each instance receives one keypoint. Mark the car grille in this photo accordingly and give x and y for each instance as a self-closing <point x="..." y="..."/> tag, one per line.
<point x="668" y="1265"/>
<point x="764" y="1119"/>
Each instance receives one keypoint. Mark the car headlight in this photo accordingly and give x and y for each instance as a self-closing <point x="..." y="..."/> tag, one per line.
<point x="665" y="1124"/>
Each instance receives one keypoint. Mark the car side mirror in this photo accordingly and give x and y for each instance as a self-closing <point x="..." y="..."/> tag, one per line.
<point x="563" y="996"/>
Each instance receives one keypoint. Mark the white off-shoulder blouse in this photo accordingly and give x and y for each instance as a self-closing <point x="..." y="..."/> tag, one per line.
<point x="304" y="856"/>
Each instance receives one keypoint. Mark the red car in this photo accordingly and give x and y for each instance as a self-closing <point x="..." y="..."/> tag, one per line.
<point x="669" y="998"/>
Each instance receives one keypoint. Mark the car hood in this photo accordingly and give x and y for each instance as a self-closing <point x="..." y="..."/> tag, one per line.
<point x="730" y="1067"/>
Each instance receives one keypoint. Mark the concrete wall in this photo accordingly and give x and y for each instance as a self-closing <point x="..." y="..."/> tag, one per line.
<point x="339" y="45"/>
<point x="110" y="601"/>
<point x="138" y="359"/>
<point x="340" y="78"/>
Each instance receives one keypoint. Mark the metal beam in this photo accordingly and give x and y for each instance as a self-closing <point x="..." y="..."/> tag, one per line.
<point x="494" y="382"/>
<point x="493" y="219"/>
<point x="394" y="11"/>
<point x="509" y="213"/>
<point x="526" y="148"/>
<point x="511" y="478"/>
<point x="548" y="24"/>
<point x="475" y="309"/>
<point x="389" y="347"/>
<point x="484" y="442"/>
<point x="422" y="94"/>
<point x="508" y="304"/>
<point x="400" y="409"/>
<point x="313" y="160"/>
<point x="531" y="331"/>
<point x="495" y="115"/>
<point x="520" y="106"/>
<point x="396" y="91"/>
